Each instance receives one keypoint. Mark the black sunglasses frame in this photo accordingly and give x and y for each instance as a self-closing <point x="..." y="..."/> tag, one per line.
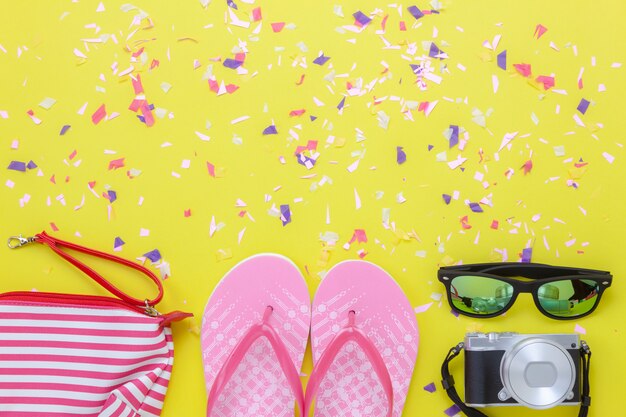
<point x="542" y="273"/>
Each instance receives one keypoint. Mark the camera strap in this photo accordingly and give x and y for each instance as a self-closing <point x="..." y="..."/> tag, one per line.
<point x="448" y="382"/>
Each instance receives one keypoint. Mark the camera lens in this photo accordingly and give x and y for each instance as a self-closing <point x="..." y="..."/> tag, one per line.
<point x="538" y="373"/>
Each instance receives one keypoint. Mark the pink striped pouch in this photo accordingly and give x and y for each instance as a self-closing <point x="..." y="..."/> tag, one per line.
<point x="77" y="355"/>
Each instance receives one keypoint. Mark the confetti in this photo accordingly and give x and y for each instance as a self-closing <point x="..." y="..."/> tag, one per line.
<point x="400" y="155"/>
<point x="583" y="106"/>
<point x="98" y="115"/>
<point x="430" y="387"/>
<point x="539" y="31"/>
<point x="502" y="60"/>
<point x="153" y="255"/>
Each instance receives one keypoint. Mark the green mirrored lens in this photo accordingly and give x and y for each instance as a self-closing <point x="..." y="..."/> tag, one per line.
<point x="568" y="298"/>
<point x="480" y="295"/>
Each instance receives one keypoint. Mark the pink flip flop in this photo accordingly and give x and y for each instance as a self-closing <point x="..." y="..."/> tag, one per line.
<point x="364" y="339"/>
<point x="254" y="335"/>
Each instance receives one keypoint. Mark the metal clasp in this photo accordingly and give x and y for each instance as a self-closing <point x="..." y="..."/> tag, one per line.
<point x="19" y="241"/>
<point x="151" y="311"/>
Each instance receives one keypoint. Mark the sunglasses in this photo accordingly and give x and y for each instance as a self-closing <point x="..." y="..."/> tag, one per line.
<point x="486" y="290"/>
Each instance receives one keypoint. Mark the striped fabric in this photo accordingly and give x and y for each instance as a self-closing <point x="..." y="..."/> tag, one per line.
<point x="67" y="360"/>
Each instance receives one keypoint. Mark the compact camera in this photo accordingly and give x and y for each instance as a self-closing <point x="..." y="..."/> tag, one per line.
<point x="535" y="370"/>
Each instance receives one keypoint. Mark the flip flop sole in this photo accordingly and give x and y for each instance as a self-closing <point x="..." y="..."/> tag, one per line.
<point x="258" y="386"/>
<point x="385" y="315"/>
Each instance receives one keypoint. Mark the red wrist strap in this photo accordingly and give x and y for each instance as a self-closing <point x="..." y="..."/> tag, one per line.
<point x="56" y="244"/>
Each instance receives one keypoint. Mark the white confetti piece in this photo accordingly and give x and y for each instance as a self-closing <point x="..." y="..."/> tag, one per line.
<point x="580" y="329"/>
<point x="47" y="103"/>
<point x="422" y="308"/>
<point x="610" y="158"/>
<point x="357" y="199"/>
<point x="144" y="232"/>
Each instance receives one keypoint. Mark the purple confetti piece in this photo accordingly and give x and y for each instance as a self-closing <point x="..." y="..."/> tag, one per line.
<point x="64" y="129"/>
<point x="285" y="214"/>
<point x="305" y="160"/>
<point x="446" y="198"/>
<point x="582" y="106"/>
<point x="416" y="69"/>
<point x="17" y="166"/>
<point x="151" y="106"/>
<point x="153" y="255"/>
<point x="232" y="63"/>
<point x="434" y="51"/>
<point x="430" y="147"/>
<point x="270" y="130"/>
<point x="454" y="136"/>
<point x="341" y="103"/>
<point x="416" y="12"/>
<point x="313" y="118"/>
<point x="476" y="208"/>
<point x="454" y="313"/>
<point x="502" y="60"/>
<point x="141" y="118"/>
<point x="231" y="4"/>
<point x="400" y="155"/>
<point x="452" y="411"/>
<point x="321" y="60"/>
<point x="31" y="165"/>
<point x="431" y="387"/>
<point x="361" y="18"/>
<point x="112" y="196"/>
<point x="118" y="243"/>
<point x="527" y="254"/>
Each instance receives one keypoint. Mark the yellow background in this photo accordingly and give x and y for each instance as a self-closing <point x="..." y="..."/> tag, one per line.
<point x="47" y="33"/>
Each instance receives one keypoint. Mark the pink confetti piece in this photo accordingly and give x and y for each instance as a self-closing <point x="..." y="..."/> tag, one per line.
<point x="402" y="26"/>
<point x="187" y="213"/>
<point x="358" y="236"/>
<point x="99" y="114"/>
<point x="211" y="169"/>
<point x="116" y="163"/>
<point x="548" y="82"/>
<point x="539" y="31"/>
<point x="256" y="14"/>
<point x="137" y="85"/>
<point x="32" y="116"/>
<point x="54" y="227"/>
<point x="296" y="113"/>
<point x="527" y="167"/>
<point x="523" y="69"/>
<point x="278" y="26"/>
<point x="465" y="223"/>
